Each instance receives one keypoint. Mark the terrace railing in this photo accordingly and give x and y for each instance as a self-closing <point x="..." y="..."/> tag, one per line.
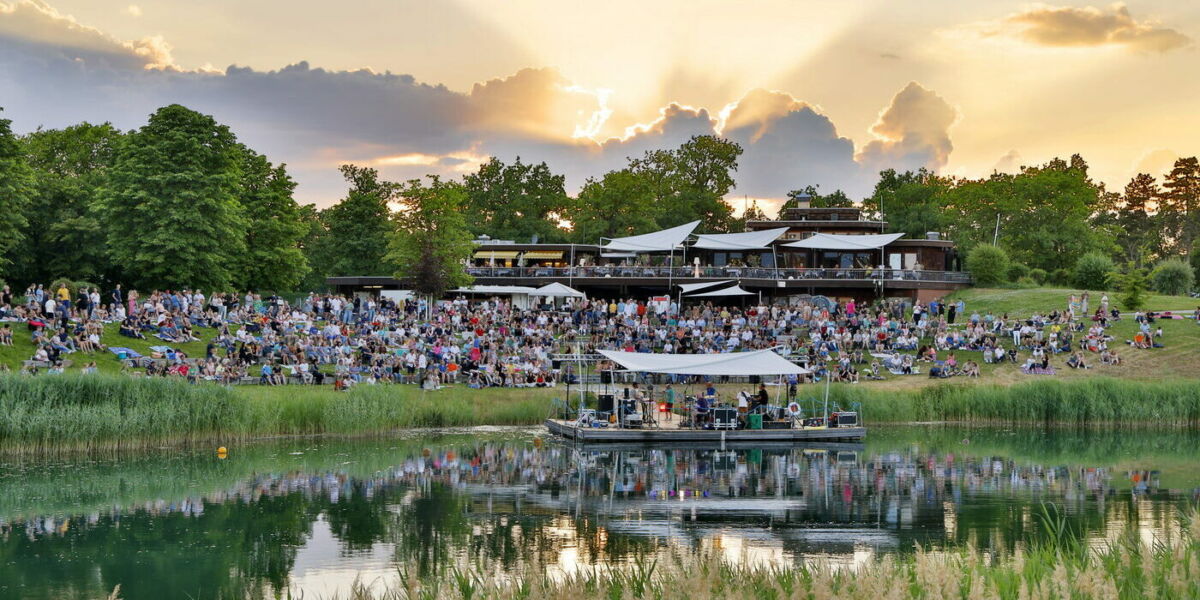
<point x="682" y="274"/>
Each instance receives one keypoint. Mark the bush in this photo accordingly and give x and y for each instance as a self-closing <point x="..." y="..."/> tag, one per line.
<point x="1173" y="276"/>
<point x="1026" y="282"/>
<point x="1016" y="271"/>
<point x="988" y="265"/>
<point x="1132" y="285"/>
<point x="1092" y="271"/>
<point x="1060" y="276"/>
<point x="1038" y="275"/>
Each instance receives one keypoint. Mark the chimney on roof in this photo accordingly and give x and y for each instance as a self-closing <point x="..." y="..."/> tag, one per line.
<point x="804" y="201"/>
<point x="933" y="235"/>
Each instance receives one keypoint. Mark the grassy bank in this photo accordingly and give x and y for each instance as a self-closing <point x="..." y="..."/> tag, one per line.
<point x="99" y="411"/>
<point x="1056" y="564"/>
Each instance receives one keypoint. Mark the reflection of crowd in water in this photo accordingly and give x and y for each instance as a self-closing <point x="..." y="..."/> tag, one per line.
<point x="835" y="485"/>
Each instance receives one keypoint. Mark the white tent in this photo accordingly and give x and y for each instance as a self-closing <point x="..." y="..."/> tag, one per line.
<point x="659" y="241"/>
<point x="760" y="362"/>
<point x="730" y="291"/>
<point x="497" y="290"/>
<point x="750" y="240"/>
<point x="831" y="241"/>
<point x="688" y="288"/>
<point x="558" y="290"/>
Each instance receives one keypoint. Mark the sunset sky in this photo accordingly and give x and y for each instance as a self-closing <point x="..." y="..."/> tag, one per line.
<point x="818" y="92"/>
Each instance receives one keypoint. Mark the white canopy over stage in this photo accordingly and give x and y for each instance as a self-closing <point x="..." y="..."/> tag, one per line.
<point x="759" y="362"/>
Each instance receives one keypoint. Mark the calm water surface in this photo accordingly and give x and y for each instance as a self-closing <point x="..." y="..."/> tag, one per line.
<point x="311" y="516"/>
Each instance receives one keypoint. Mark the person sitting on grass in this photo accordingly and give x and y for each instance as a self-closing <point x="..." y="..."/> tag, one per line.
<point x="1110" y="357"/>
<point x="971" y="369"/>
<point x="129" y="328"/>
<point x="1075" y="361"/>
<point x="6" y="335"/>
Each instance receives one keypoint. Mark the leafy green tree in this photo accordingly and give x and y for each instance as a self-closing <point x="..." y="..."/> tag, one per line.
<point x="432" y="242"/>
<point x="16" y="187"/>
<point x="358" y="229"/>
<point x="1043" y="211"/>
<point x="1179" y="209"/>
<point x="912" y="202"/>
<point x="310" y="244"/>
<point x="690" y="182"/>
<point x="517" y="201"/>
<point x="613" y="206"/>
<point x="273" y="259"/>
<point x="837" y="199"/>
<point x="1173" y="276"/>
<point x="989" y="265"/>
<point x="170" y="210"/>
<point x="1092" y="271"/>
<point x="1132" y="284"/>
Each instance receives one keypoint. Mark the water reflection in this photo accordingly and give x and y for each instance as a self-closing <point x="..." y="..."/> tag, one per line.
<point x="314" y="515"/>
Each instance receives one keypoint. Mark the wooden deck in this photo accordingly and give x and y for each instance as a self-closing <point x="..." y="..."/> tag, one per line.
<point x="671" y="432"/>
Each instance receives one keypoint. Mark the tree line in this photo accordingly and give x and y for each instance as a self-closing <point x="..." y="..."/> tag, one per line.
<point x="180" y="202"/>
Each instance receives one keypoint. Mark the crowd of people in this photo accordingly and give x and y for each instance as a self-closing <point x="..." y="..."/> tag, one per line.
<point x="331" y="338"/>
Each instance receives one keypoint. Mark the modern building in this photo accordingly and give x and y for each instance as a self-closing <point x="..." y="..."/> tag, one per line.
<point x="833" y="252"/>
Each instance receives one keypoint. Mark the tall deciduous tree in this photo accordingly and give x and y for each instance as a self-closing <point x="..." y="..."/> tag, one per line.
<point x="1130" y="216"/>
<point x="516" y="201"/>
<point x="613" y="206"/>
<point x="63" y="236"/>
<point x="170" y="211"/>
<point x="911" y="202"/>
<point x="357" y="230"/>
<point x="273" y="259"/>
<point x="690" y="182"/>
<point x="16" y="186"/>
<point x="432" y="242"/>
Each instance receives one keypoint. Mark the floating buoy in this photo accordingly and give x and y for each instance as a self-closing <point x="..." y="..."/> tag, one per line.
<point x="221" y="452"/>
<point x="537" y="442"/>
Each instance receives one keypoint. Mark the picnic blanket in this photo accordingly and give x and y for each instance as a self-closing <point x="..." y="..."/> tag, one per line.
<point x="129" y="353"/>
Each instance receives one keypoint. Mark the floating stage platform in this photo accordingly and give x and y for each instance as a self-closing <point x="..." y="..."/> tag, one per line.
<point x="670" y="432"/>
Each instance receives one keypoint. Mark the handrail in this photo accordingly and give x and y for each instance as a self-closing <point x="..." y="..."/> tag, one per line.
<point x="682" y="274"/>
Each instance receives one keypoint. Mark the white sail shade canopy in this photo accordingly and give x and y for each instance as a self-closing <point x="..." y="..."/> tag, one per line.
<point x="729" y="291"/>
<point x="759" y="362"/>
<point x="688" y="288"/>
<point x="833" y="241"/>
<point x="750" y="240"/>
<point x="659" y="241"/>
<point x="498" y="290"/>
<point x="558" y="290"/>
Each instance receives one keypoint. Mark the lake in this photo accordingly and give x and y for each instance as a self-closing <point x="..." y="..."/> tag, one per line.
<point x="314" y="515"/>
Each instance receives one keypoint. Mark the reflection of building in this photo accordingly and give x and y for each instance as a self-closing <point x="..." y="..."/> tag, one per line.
<point x="827" y="251"/>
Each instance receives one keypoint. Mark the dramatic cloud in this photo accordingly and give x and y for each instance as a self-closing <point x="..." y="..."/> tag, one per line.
<point x="55" y="72"/>
<point x="1086" y="26"/>
<point x="913" y="132"/>
<point x="36" y="25"/>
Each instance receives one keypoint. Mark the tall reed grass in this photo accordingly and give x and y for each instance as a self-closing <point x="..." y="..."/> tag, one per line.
<point x="1057" y="564"/>
<point x="1090" y="401"/>
<point x="99" y="411"/>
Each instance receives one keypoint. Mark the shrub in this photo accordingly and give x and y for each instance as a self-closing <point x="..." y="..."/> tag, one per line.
<point x="1016" y="271"/>
<point x="988" y="265"/>
<point x="1092" y="271"/>
<point x="1132" y="285"/>
<point x="1038" y="275"/>
<point x="1026" y="282"/>
<point x="1173" y="276"/>
<point x="1060" y="276"/>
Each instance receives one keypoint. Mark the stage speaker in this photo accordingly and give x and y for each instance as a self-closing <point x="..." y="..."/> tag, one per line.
<point x="605" y="403"/>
